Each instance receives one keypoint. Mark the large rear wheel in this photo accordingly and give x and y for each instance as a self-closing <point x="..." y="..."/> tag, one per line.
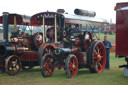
<point x="71" y="66"/>
<point x="47" y="63"/>
<point x="96" y="57"/>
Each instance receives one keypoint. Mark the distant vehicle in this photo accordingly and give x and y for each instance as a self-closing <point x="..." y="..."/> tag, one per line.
<point x="20" y="50"/>
<point x="110" y="29"/>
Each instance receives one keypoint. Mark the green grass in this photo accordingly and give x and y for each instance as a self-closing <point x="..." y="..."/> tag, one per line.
<point x="114" y="76"/>
<point x="110" y="37"/>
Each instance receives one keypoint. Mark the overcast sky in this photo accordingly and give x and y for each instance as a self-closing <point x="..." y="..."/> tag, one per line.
<point x="103" y="8"/>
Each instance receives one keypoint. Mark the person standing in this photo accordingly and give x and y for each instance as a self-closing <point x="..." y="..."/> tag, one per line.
<point x="107" y="45"/>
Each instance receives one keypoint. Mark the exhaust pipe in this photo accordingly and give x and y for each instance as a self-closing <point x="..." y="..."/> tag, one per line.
<point x="5" y="26"/>
<point x="85" y="12"/>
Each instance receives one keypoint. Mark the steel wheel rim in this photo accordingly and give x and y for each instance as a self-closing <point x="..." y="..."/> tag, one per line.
<point x="13" y="65"/>
<point x="47" y="66"/>
<point x="73" y="67"/>
<point x="99" y="58"/>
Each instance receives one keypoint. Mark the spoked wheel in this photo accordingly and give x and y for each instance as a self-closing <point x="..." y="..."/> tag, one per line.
<point x="27" y="67"/>
<point x="47" y="63"/>
<point x="71" y="66"/>
<point x="13" y="65"/>
<point x="96" y="57"/>
<point x="42" y="51"/>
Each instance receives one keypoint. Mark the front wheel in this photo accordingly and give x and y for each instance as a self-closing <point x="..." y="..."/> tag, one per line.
<point x="47" y="63"/>
<point x="13" y="65"/>
<point x="71" y="66"/>
<point x="96" y="57"/>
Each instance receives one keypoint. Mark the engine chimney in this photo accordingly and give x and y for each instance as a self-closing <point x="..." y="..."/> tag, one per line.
<point x="85" y="12"/>
<point x="5" y="26"/>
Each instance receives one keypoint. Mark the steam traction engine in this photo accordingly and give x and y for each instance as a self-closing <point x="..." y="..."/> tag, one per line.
<point x="20" y="51"/>
<point x="66" y="45"/>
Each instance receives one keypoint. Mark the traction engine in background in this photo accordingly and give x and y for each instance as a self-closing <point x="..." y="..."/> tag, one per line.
<point x="21" y="50"/>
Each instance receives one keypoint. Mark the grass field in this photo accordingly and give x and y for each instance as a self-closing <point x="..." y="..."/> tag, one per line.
<point x="114" y="76"/>
<point x="110" y="37"/>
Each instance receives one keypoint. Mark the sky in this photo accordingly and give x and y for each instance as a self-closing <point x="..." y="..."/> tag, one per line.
<point x="103" y="8"/>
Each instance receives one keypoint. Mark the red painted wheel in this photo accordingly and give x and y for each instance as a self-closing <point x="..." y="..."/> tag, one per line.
<point x="42" y="51"/>
<point x="96" y="57"/>
<point x="71" y="66"/>
<point x="13" y="65"/>
<point x="47" y="63"/>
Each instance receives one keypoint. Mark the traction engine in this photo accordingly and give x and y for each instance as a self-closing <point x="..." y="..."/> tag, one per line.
<point x="66" y="46"/>
<point x="21" y="50"/>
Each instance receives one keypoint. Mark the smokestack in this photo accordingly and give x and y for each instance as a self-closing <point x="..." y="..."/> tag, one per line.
<point x="85" y="12"/>
<point x="5" y="25"/>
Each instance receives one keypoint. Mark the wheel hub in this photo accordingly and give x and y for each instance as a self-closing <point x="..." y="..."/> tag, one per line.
<point x="99" y="57"/>
<point x="73" y="66"/>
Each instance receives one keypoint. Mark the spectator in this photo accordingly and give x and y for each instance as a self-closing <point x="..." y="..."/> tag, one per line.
<point x="107" y="45"/>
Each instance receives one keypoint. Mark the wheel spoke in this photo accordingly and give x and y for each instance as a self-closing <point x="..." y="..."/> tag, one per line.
<point x="95" y="51"/>
<point x="13" y="65"/>
<point x="49" y="70"/>
<point x="102" y="57"/>
<point x="17" y="69"/>
<point x="99" y="64"/>
<point x="99" y="50"/>
<point x="16" y="62"/>
<point x="98" y="57"/>
<point x="47" y="66"/>
<point x="70" y="63"/>
<point x="96" y="66"/>
<point x="72" y="66"/>
<point x="73" y="61"/>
